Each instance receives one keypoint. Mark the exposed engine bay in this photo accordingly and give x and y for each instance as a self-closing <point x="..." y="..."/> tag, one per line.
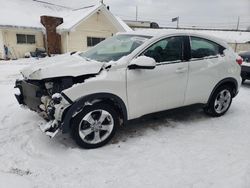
<point x="42" y="95"/>
<point x="45" y="98"/>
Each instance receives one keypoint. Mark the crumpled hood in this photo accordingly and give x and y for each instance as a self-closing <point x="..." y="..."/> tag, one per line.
<point x="61" y="65"/>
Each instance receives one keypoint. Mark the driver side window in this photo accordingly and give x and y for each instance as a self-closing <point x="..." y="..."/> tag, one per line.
<point x="166" y="50"/>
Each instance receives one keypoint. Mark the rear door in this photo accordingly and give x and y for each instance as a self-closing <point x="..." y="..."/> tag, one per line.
<point x="205" y="68"/>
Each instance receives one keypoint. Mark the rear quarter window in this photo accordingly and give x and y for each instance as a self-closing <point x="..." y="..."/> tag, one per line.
<point x="201" y="48"/>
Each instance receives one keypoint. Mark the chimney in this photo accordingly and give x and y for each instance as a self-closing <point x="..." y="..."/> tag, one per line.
<point x="53" y="39"/>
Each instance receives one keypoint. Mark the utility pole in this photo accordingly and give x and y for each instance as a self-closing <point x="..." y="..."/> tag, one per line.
<point x="178" y="18"/>
<point x="136" y="13"/>
<point x="238" y="23"/>
<point x="237" y="28"/>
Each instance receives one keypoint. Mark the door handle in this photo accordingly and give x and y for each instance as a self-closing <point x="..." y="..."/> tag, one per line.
<point x="181" y="70"/>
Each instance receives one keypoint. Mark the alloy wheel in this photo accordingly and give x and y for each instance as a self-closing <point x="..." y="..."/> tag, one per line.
<point x="96" y="126"/>
<point x="222" y="101"/>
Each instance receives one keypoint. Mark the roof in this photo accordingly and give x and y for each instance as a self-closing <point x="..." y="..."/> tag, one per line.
<point x="158" y="33"/>
<point x="26" y="13"/>
<point x="138" y="24"/>
<point x="227" y="36"/>
<point x="125" y="26"/>
<point x="153" y="32"/>
<point x="73" y="17"/>
<point x="76" y="16"/>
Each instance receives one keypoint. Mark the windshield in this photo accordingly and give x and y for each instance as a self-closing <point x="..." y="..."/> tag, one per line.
<point x="115" y="47"/>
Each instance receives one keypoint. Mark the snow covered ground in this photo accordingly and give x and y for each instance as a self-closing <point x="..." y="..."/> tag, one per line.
<point x="181" y="148"/>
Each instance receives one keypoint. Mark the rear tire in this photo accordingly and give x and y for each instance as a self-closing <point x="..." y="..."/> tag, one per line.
<point x="220" y="101"/>
<point x="95" y="125"/>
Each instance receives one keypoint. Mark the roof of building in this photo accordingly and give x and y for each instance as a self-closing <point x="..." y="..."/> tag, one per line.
<point x="73" y="17"/>
<point x="227" y="36"/>
<point x="76" y="16"/>
<point x="26" y="13"/>
<point x="123" y="23"/>
<point x="138" y="23"/>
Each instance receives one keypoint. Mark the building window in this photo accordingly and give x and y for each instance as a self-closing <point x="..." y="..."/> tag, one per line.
<point x="92" y="41"/>
<point x="25" y="39"/>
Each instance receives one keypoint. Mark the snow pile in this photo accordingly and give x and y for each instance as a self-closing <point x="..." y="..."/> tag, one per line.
<point x="182" y="148"/>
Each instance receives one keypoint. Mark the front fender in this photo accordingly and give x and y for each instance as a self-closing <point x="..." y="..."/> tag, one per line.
<point x="80" y="103"/>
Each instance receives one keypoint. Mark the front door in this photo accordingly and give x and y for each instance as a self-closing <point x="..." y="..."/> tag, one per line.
<point x="164" y="86"/>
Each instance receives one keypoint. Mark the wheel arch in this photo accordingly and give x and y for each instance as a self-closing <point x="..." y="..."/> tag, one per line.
<point x="109" y="98"/>
<point x="227" y="81"/>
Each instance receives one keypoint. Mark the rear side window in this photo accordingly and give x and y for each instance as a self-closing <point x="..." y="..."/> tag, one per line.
<point x="166" y="50"/>
<point x="203" y="48"/>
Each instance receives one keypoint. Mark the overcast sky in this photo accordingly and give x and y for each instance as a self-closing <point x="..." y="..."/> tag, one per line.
<point x="206" y="13"/>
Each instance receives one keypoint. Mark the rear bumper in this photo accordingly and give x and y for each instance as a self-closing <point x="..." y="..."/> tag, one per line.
<point x="245" y="72"/>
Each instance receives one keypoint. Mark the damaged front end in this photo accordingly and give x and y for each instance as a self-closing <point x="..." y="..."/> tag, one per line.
<point x="47" y="99"/>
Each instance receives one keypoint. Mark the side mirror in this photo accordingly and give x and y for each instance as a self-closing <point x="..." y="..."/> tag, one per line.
<point x="142" y="62"/>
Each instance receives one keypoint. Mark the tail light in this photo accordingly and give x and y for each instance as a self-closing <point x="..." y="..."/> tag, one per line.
<point x="239" y="60"/>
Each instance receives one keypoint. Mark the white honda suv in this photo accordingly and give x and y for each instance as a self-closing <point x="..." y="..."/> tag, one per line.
<point x="128" y="76"/>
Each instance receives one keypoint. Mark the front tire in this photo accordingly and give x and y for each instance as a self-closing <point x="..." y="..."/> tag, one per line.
<point x="95" y="125"/>
<point x="220" y="101"/>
